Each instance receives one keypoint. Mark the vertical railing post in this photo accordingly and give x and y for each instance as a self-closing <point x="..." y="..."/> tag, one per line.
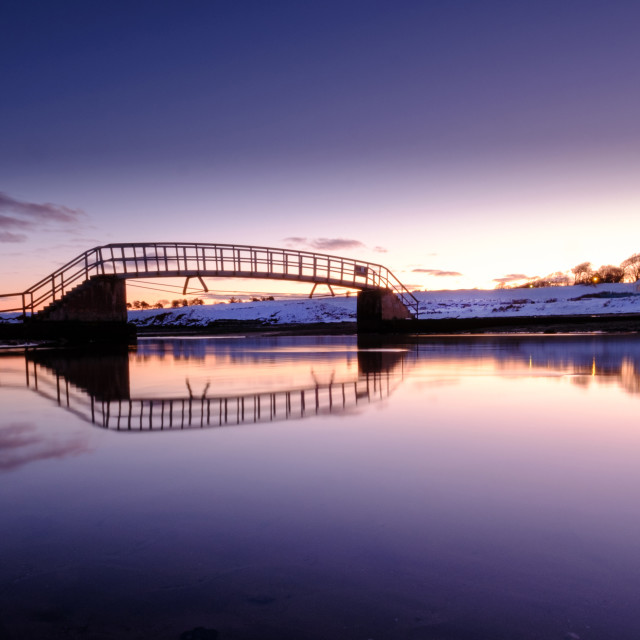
<point x="122" y="258"/>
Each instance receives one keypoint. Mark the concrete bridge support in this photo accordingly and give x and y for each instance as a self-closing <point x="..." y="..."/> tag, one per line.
<point x="94" y="311"/>
<point x="375" y="307"/>
<point x="99" y="299"/>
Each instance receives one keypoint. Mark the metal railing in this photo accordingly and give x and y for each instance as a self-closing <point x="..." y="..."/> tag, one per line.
<point x="188" y="259"/>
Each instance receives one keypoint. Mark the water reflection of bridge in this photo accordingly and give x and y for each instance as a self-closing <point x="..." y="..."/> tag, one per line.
<point x="96" y="386"/>
<point x="96" y="389"/>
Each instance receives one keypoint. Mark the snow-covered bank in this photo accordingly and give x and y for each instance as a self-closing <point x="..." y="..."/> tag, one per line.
<point x="473" y="303"/>
<point x="272" y="312"/>
<point x="545" y="301"/>
<point x="470" y="303"/>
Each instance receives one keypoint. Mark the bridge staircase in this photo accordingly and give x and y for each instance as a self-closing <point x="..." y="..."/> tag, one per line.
<point x="99" y="299"/>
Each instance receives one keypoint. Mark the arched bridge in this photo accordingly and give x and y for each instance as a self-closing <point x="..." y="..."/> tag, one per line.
<point x="91" y="286"/>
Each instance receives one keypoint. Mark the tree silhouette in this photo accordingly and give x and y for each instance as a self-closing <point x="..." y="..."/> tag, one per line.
<point x="609" y="274"/>
<point x="631" y="267"/>
<point x="582" y="273"/>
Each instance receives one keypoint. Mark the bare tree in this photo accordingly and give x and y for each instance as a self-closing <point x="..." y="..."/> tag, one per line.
<point x="631" y="267"/>
<point x="582" y="273"/>
<point x="609" y="273"/>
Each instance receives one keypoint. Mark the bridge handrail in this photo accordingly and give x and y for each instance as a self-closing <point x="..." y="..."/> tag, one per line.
<point x="125" y="259"/>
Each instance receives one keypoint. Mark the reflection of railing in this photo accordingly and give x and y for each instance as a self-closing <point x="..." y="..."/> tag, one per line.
<point x="171" y="259"/>
<point x="157" y="414"/>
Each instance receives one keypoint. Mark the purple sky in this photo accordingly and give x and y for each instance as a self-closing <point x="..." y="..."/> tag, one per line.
<point x="455" y="142"/>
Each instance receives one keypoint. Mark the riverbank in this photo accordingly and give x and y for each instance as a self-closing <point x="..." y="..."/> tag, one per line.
<point x="611" y="323"/>
<point x="481" y="305"/>
<point x="604" y="308"/>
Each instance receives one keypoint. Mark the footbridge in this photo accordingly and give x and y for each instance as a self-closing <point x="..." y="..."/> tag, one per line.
<point x="91" y="287"/>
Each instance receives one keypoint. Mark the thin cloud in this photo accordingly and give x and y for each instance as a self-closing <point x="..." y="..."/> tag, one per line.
<point x="294" y="241"/>
<point x="17" y="214"/>
<point x="380" y="249"/>
<point x="438" y="272"/>
<point x="324" y="244"/>
<point x="8" y="237"/>
<point x="9" y="222"/>
<point x="329" y="244"/>
<point x="513" y="277"/>
<point x="46" y="211"/>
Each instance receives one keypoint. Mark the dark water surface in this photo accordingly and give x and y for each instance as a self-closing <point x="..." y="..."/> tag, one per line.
<point x="303" y="488"/>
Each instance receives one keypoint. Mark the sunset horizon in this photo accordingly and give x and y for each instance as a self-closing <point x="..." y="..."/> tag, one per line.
<point x="455" y="143"/>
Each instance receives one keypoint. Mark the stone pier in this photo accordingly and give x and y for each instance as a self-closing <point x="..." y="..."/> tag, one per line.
<point x="376" y="307"/>
<point x="99" y="299"/>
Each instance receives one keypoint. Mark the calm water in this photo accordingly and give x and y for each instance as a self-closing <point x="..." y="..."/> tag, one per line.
<point x="303" y="488"/>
